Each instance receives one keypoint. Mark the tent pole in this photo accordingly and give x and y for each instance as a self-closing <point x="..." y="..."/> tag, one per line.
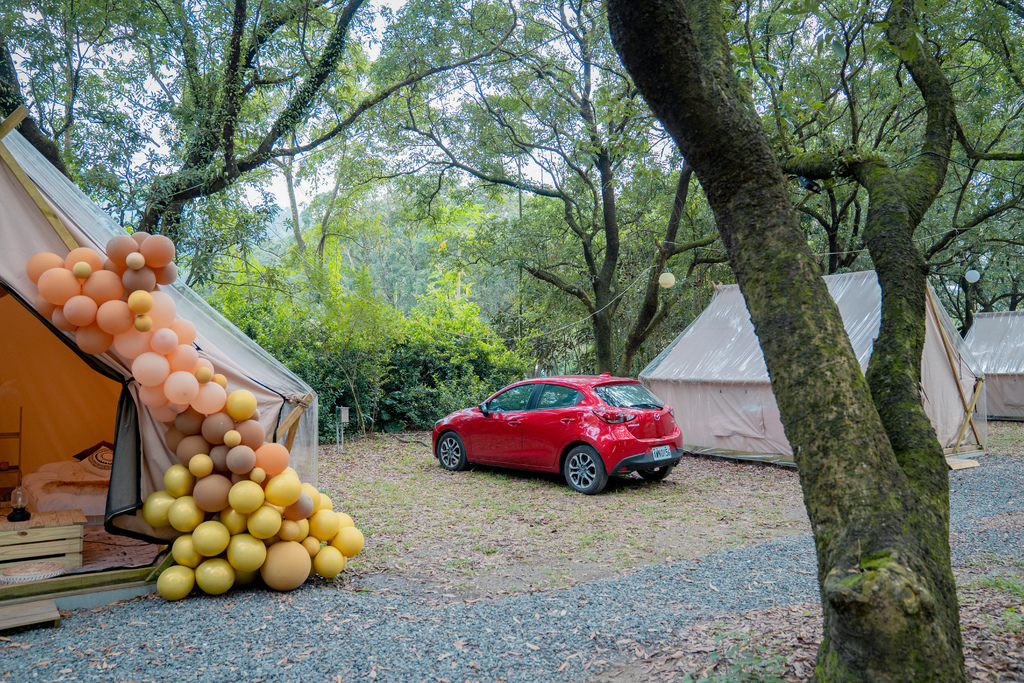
<point x="970" y="411"/>
<point x="952" y="366"/>
<point x="291" y="423"/>
<point x="12" y="121"/>
<point x="37" y="197"/>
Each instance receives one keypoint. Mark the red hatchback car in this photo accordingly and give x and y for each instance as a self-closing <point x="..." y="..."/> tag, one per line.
<point x="586" y="427"/>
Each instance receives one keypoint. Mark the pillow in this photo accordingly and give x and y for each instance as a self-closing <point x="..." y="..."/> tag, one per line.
<point x="97" y="460"/>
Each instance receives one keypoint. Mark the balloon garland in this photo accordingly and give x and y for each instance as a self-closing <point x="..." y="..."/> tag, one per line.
<point x="242" y="512"/>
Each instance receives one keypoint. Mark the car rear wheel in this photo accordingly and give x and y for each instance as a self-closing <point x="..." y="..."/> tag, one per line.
<point x="656" y="474"/>
<point x="451" y="452"/>
<point x="584" y="470"/>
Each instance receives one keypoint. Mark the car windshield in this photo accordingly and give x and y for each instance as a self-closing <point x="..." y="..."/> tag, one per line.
<point x="628" y="396"/>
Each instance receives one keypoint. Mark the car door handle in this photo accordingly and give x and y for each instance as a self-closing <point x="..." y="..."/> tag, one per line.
<point x="567" y="420"/>
<point x="514" y="423"/>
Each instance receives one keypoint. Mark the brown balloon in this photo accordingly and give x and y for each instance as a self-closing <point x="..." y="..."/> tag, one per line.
<point x="190" y="446"/>
<point x="143" y="279"/>
<point x="189" y="422"/>
<point x="211" y="492"/>
<point x="241" y="459"/>
<point x="219" y="455"/>
<point x="253" y="433"/>
<point x="215" y="426"/>
<point x="173" y="438"/>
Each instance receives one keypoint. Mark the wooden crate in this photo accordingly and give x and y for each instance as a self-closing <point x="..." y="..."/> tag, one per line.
<point x="46" y="536"/>
<point x="40" y="612"/>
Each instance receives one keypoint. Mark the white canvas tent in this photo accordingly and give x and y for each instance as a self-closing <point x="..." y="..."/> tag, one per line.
<point x="68" y="400"/>
<point x="715" y="378"/>
<point x="997" y="341"/>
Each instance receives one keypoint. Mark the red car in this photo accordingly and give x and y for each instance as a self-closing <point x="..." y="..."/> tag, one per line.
<point x="583" y="426"/>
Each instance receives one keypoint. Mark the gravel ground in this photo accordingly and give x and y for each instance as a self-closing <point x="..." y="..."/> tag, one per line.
<point x="372" y="627"/>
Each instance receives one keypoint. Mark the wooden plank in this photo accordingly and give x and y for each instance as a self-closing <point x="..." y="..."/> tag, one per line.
<point x="12" y="121"/>
<point x="37" y="197"/>
<point x="39" y="612"/>
<point x="951" y="357"/>
<point x="46" y="533"/>
<point x="293" y="417"/>
<point x="69" y="548"/>
<point x="75" y="583"/>
<point x="961" y="463"/>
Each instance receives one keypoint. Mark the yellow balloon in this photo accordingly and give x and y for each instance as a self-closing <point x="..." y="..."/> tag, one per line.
<point x="324" y="525"/>
<point x="234" y="521"/>
<point x="210" y="538"/>
<point x="200" y="465"/>
<point x="303" y="530"/>
<point x="215" y="576"/>
<point x="246" y="496"/>
<point x="241" y="404"/>
<point x="264" y="523"/>
<point x="284" y="489"/>
<point x="175" y="582"/>
<point x="204" y="375"/>
<point x="184" y="552"/>
<point x="324" y="503"/>
<point x="287" y="566"/>
<point x="312" y="545"/>
<point x="258" y="475"/>
<point x="289" y="470"/>
<point x="143" y="323"/>
<point x="232" y="438"/>
<point x="246" y="553"/>
<point x="221" y="380"/>
<point x="154" y="510"/>
<point x="140" y="302"/>
<point x="179" y="481"/>
<point x="313" y="493"/>
<point x="245" y="578"/>
<point x="289" y="530"/>
<point x="345" y="520"/>
<point x="349" y="541"/>
<point x="184" y="514"/>
<point x="329" y="562"/>
<point x="82" y="270"/>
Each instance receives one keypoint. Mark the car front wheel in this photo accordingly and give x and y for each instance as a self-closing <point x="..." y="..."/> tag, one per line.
<point x="656" y="474"/>
<point x="451" y="452"/>
<point x="584" y="470"/>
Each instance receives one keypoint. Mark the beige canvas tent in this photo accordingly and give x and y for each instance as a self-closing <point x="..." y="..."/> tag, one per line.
<point x="715" y="378"/>
<point x="56" y="401"/>
<point x="997" y="341"/>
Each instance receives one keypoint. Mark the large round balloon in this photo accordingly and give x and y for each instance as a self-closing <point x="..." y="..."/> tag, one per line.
<point x="164" y="309"/>
<point x="40" y="263"/>
<point x="184" y="552"/>
<point x="184" y="357"/>
<point x="166" y="275"/>
<point x="92" y="339"/>
<point x="181" y="387"/>
<point x="118" y="249"/>
<point x="150" y="369"/>
<point x="235" y="521"/>
<point x="189" y="422"/>
<point x="210" y="538"/>
<point x="191" y="446"/>
<point x="57" y="285"/>
<point x="241" y="404"/>
<point x="163" y="341"/>
<point x="211" y="492"/>
<point x="84" y="255"/>
<point x="349" y="541"/>
<point x="154" y="510"/>
<point x="282" y="490"/>
<point x="329" y="562"/>
<point x="246" y="552"/>
<point x="132" y="343"/>
<point x="114" y="317"/>
<point x="178" y="481"/>
<point x="264" y="522"/>
<point x="175" y="582"/>
<point x="215" y="426"/>
<point x="103" y="286"/>
<point x="143" y="279"/>
<point x="185" y="330"/>
<point x="252" y="432"/>
<point x="324" y="525"/>
<point x="209" y="399"/>
<point x="158" y="250"/>
<point x="215" y="576"/>
<point x="184" y="514"/>
<point x="287" y="566"/>
<point x="272" y="457"/>
<point x="246" y="496"/>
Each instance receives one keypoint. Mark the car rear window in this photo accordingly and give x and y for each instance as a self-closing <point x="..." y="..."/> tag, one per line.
<point x="557" y="396"/>
<point x="628" y="396"/>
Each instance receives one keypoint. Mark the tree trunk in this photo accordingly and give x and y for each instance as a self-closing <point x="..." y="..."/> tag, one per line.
<point x="880" y="530"/>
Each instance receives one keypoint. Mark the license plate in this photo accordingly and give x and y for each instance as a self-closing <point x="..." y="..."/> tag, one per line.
<point x="661" y="452"/>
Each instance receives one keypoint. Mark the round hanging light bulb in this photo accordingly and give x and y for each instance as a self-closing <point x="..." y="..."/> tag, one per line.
<point x="667" y="280"/>
<point x="972" y="276"/>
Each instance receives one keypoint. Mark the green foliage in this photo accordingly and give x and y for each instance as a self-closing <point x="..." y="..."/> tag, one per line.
<point x="743" y="662"/>
<point x="1012" y="584"/>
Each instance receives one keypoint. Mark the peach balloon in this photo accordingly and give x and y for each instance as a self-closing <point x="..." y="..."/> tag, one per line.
<point x="272" y="458"/>
<point x="60" y="322"/>
<point x="163" y="310"/>
<point x="103" y="286"/>
<point x="84" y="255"/>
<point x="135" y="280"/>
<point x="185" y="330"/>
<point x="153" y="396"/>
<point x="189" y="422"/>
<point x="40" y="263"/>
<point x="119" y="247"/>
<point x="162" y="414"/>
<point x="210" y="398"/>
<point x="132" y="343"/>
<point x="221" y="380"/>
<point x="114" y="317"/>
<point x="181" y="387"/>
<point x="91" y="339"/>
<point x="112" y="267"/>
<point x="166" y="275"/>
<point x="215" y="426"/>
<point x="57" y="285"/>
<point x="164" y="341"/>
<point x="43" y="307"/>
<point x="158" y="250"/>
<point x="150" y="369"/>
<point x="80" y="310"/>
<point x="184" y="357"/>
<point x="140" y="237"/>
<point x="178" y="408"/>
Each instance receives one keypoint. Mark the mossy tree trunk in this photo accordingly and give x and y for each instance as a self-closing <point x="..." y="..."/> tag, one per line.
<point x="872" y="472"/>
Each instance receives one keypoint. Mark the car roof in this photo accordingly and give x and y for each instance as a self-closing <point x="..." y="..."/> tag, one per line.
<point x="586" y="380"/>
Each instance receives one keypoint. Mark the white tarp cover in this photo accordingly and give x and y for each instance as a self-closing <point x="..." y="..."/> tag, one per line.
<point x="140" y="451"/>
<point x="715" y="378"/>
<point x="997" y="341"/>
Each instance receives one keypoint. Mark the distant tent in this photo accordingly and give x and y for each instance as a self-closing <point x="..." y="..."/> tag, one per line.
<point x="61" y="401"/>
<point x="715" y="378"/>
<point x="997" y="341"/>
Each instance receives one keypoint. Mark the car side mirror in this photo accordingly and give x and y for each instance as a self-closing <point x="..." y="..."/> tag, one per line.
<point x="483" y="409"/>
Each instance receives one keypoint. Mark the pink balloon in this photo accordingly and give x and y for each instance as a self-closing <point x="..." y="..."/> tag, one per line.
<point x="163" y="310"/>
<point x="178" y="408"/>
<point x="80" y="310"/>
<point x="114" y="317"/>
<point x="132" y="343"/>
<point x="91" y="339"/>
<point x="164" y="341"/>
<point x="153" y="396"/>
<point x="184" y="357"/>
<point x="181" y="387"/>
<point x="210" y="399"/>
<point x="185" y="330"/>
<point x="150" y="369"/>
<point x="60" y="322"/>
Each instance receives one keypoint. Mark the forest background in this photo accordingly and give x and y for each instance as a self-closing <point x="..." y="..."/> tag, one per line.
<point x="412" y="204"/>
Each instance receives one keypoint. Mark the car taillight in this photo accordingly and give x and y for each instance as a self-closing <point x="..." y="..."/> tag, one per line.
<point x="614" y="417"/>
